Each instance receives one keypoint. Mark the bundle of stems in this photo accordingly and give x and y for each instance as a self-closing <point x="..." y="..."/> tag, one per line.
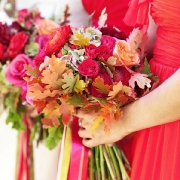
<point x="108" y="163"/>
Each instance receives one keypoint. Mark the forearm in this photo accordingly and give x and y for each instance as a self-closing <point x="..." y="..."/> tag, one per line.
<point x="158" y="107"/>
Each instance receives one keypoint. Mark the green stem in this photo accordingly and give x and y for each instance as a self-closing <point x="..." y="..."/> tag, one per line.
<point x="97" y="163"/>
<point x="121" y="165"/>
<point x="91" y="165"/>
<point x="127" y="164"/>
<point x="115" y="163"/>
<point x="109" y="163"/>
<point x="102" y="163"/>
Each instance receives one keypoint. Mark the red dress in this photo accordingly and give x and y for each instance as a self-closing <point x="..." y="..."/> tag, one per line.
<point x="155" y="152"/>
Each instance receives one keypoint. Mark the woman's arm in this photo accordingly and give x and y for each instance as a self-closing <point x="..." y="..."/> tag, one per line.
<point x="158" y="107"/>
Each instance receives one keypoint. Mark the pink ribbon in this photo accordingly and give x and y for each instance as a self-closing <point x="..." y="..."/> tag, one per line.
<point x="79" y="156"/>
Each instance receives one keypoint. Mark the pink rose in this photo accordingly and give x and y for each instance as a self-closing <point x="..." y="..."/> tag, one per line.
<point x="89" y="68"/>
<point x="121" y="74"/>
<point x="90" y="51"/>
<point x="16" y="71"/>
<point x="42" y="40"/>
<point x="103" y="52"/>
<point x="108" y="41"/>
<point x="107" y="80"/>
<point x="17" y="44"/>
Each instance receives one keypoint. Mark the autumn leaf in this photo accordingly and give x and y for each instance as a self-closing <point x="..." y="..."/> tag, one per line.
<point x="93" y="106"/>
<point x="69" y="82"/>
<point x="96" y="123"/>
<point x="80" y="85"/>
<point x="31" y="71"/>
<point x="141" y="80"/>
<point x="116" y="88"/>
<point x="99" y="84"/>
<point x="50" y="122"/>
<point x="66" y="110"/>
<point x="102" y="18"/>
<point x="51" y="79"/>
<point x="77" y="100"/>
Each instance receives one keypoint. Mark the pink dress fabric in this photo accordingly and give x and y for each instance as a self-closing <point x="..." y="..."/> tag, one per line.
<point x="154" y="153"/>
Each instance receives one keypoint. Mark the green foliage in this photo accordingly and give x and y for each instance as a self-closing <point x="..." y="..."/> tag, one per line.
<point x="15" y="115"/>
<point x="146" y="68"/>
<point x="54" y="136"/>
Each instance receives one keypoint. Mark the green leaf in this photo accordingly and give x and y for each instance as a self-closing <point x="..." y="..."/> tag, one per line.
<point x="77" y="100"/>
<point x="54" y="136"/>
<point x="31" y="49"/>
<point x="146" y="68"/>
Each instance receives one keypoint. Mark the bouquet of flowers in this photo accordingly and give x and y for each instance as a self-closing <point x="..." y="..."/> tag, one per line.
<point x="95" y="69"/>
<point x="20" y="42"/>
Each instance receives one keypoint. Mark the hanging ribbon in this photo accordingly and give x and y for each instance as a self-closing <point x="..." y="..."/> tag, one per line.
<point x="79" y="155"/>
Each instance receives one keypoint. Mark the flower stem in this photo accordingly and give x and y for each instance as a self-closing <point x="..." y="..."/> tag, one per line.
<point x="97" y="163"/>
<point x="115" y="163"/>
<point x="91" y="165"/>
<point x="102" y="163"/>
<point x="119" y="158"/>
<point x="109" y="163"/>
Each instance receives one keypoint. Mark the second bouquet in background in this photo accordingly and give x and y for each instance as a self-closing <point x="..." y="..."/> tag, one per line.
<point x="96" y="69"/>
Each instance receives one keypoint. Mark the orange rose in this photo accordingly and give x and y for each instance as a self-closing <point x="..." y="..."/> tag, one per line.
<point x="125" y="55"/>
<point x="46" y="26"/>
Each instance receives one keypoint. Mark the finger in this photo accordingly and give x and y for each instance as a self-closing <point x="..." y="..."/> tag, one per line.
<point x="83" y="133"/>
<point x="89" y="143"/>
<point x="110" y="144"/>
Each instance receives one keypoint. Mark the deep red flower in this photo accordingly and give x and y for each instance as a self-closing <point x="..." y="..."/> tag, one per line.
<point x="89" y="68"/>
<point x="60" y="37"/>
<point x="107" y="80"/>
<point x="103" y="52"/>
<point x="121" y="74"/>
<point x="17" y="44"/>
<point x="2" y="53"/>
<point x="90" y="51"/>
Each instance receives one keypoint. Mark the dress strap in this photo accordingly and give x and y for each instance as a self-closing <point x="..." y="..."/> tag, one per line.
<point x="137" y="14"/>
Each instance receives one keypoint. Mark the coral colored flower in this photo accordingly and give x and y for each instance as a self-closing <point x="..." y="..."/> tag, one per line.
<point x="17" y="44"/>
<point x="46" y="26"/>
<point x="125" y="55"/>
<point x="89" y="68"/>
<point x="60" y="37"/>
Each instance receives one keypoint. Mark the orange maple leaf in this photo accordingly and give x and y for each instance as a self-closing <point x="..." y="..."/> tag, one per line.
<point x="66" y="110"/>
<point x="99" y="84"/>
<point x="50" y="122"/>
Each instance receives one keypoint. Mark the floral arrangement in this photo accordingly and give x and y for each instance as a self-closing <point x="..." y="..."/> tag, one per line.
<point x="92" y="68"/>
<point x="20" y="42"/>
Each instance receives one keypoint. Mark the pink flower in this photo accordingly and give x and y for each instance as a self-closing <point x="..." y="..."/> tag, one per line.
<point x="39" y="58"/>
<point x="89" y="68"/>
<point x="42" y="40"/>
<point x="16" y="71"/>
<point x="107" y="80"/>
<point x="108" y="41"/>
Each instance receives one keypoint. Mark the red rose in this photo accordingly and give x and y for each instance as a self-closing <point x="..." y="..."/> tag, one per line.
<point x="60" y="37"/>
<point x="89" y="68"/>
<point x="17" y="44"/>
<point x="15" y="70"/>
<point x="107" y="80"/>
<point x="2" y="53"/>
<point x="90" y="51"/>
<point x="121" y="74"/>
<point x="108" y="41"/>
<point x="103" y="52"/>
